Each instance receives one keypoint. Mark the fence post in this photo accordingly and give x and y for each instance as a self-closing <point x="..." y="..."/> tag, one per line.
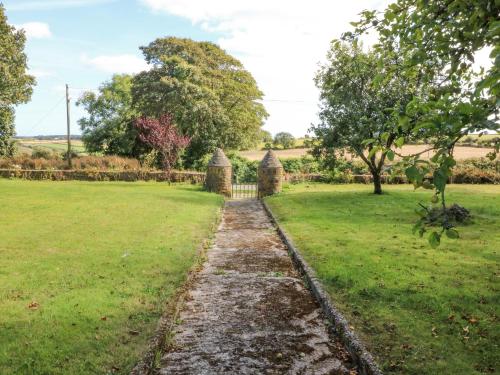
<point x="219" y="174"/>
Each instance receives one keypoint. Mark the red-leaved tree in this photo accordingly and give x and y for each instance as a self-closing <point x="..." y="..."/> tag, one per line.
<point x="163" y="136"/>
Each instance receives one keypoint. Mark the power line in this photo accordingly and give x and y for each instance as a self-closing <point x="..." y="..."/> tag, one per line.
<point x="46" y="114"/>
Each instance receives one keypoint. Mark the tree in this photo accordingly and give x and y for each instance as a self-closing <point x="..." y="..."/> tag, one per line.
<point x="441" y="39"/>
<point x="162" y="135"/>
<point x="212" y="98"/>
<point x="355" y="115"/>
<point x="265" y="136"/>
<point x="109" y="126"/>
<point x="16" y="86"/>
<point x="284" y="139"/>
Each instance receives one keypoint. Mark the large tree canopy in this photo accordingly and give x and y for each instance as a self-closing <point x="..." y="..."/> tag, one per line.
<point x="213" y="99"/>
<point x="108" y="128"/>
<point x="16" y="86"/>
<point x="355" y="114"/>
<point x="441" y="40"/>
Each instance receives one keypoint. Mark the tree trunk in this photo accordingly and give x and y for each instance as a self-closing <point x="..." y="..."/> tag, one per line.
<point x="377" y="183"/>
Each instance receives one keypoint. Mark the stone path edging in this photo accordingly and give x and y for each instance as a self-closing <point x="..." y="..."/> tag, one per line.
<point x="365" y="361"/>
<point x="147" y="363"/>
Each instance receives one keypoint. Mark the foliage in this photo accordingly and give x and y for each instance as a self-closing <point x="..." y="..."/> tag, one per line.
<point x="244" y="170"/>
<point x="109" y="129"/>
<point x="16" y="86"/>
<point x="162" y="135"/>
<point x="130" y="245"/>
<point x="54" y="161"/>
<point x="481" y="140"/>
<point x="440" y="39"/>
<point x="356" y="115"/>
<point x="419" y="310"/>
<point x="40" y="152"/>
<point x="266" y="136"/>
<point x="284" y="139"/>
<point x="304" y="164"/>
<point x="213" y="99"/>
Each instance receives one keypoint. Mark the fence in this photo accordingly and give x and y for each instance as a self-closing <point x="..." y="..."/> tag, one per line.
<point x="244" y="191"/>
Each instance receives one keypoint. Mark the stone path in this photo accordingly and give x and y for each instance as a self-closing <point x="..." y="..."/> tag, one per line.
<point x="248" y="311"/>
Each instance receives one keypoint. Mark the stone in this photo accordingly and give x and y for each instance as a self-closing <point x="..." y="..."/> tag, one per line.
<point x="249" y="311"/>
<point x="270" y="175"/>
<point x="219" y="174"/>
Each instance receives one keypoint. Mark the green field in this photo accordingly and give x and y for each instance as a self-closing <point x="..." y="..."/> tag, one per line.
<point x="26" y="146"/>
<point x="86" y="269"/>
<point x="420" y="310"/>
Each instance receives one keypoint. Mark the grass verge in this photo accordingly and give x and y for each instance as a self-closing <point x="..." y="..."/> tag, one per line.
<point x="419" y="310"/>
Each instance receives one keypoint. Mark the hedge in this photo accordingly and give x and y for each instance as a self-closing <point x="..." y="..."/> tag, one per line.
<point x="88" y="175"/>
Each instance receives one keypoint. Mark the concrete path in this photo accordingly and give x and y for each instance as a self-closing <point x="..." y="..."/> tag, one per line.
<point x="248" y="311"/>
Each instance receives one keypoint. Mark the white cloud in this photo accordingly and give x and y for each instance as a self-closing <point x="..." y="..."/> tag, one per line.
<point x="280" y="42"/>
<point x="117" y="63"/>
<point x="35" y="30"/>
<point x="40" y="73"/>
<point x="52" y="4"/>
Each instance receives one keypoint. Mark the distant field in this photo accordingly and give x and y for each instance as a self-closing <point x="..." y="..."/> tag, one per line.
<point x="26" y="145"/>
<point x="461" y="152"/>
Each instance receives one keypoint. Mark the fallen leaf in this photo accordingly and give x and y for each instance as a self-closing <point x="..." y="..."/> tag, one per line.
<point x="473" y="320"/>
<point x="434" y="333"/>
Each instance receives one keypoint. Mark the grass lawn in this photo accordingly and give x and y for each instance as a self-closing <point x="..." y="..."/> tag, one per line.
<point x="86" y="269"/>
<point x="420" y="310"/>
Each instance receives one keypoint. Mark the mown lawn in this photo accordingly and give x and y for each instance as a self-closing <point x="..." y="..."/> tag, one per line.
<point x="420" y="310"/>
<point x="86" y="269"/>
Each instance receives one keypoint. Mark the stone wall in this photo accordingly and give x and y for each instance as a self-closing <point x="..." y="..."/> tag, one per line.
<point x="219" y="174"/>
<point x="270" y="175"/>
<point x="218" y="179"/>
<point x="270" y="181"/>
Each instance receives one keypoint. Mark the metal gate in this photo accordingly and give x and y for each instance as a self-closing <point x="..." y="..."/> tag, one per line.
<point x="249" y="190"/>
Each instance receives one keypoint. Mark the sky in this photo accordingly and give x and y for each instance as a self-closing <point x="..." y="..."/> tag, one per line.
<point x="83" y="42"/>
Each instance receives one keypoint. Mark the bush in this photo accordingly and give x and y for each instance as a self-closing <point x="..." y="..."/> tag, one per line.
<point x="305" y="164"/>
<point x="244" y="170"/>
<point x="41" y="153"/>
<point x="54" y="162"/>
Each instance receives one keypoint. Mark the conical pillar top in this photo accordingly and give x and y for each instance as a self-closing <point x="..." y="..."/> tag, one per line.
<point x="270" y="160"/>
<point x="219" y="159"/>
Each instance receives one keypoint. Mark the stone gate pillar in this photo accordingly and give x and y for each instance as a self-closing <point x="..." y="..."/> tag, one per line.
<point x="270" y="175"/>
<point x="219" y="174"/>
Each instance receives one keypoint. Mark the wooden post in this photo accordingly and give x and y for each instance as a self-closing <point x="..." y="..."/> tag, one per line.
<point x="68" y="128"/>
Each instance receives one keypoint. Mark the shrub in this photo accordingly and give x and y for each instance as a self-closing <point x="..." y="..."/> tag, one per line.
<point x="41" y="153"/>
<point x="55" y="162"/>
<point x="304" y="164"/>
<point x="244" y="170"/>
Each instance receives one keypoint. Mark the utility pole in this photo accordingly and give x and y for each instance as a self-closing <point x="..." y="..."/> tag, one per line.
<point x="68" y="128"/>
